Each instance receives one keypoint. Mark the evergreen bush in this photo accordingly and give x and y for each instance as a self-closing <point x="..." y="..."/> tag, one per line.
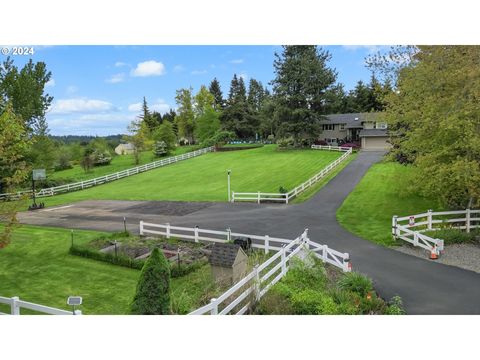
<point x="153" y="289"/>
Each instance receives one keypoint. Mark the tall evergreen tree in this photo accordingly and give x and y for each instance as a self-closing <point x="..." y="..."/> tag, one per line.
<point x="216" y="91"/>
<point x="336" y="100"/>
<point x="302" y="79"/>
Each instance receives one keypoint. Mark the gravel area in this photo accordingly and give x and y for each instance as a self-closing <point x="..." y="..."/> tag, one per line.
<point x="465" y="256"/>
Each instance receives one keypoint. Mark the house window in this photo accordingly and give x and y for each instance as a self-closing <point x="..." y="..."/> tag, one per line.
<point x="328" y="127"/>
<point x="342" y="126"/>
<point x="382" y="125"/>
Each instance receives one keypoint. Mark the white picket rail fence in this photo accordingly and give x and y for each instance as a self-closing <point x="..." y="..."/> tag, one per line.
<point x="106" y="178"/>
<point x="16" y="304"/>
<point x="411" y="228"/>
<point x="254" y="285"/>
<point x="262" y="196"/>
<point x="196" y="234"/>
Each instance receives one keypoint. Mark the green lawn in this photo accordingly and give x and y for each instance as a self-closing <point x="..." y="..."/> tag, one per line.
<point x="382" y="193"/>
<point x="204" y="178"/>
<point x="36" y="267"/>
<point x="119" y="163"/>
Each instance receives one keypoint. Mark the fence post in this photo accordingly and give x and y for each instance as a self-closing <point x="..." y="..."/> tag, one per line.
<point x="467" y="220"/>
<point x="229" y="234"/>
<point x="214" y="310"/>
<point x="256" y="285"/>
<point x="168" y="230"/>
<point x="415" y="239"/>
<point x="325" y="253"/>
<point x="429" y="219"/>
<point x="141" y="227"/>
<point x="394" y="226"/>
<point x="347" y="265"/>
<point x="233" y="196"/>
<point x="286" y="198"/>
<point x="258" y="198"/>
<point x="14" y="308"/>
<point x="284" y="261"/>
<point x="196" y="233"/>
<point x="267" y="243"/>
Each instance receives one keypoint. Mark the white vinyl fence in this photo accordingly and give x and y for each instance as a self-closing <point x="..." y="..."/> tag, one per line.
<point x="239" y="298"/>
<point x="262" y="196"/>
<point x="106" y="178"/>
<point x="16" y="304"/>
<point x="411" y="228"/>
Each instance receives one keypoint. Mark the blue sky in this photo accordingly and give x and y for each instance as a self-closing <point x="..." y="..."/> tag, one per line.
<point x="98" y="89"/>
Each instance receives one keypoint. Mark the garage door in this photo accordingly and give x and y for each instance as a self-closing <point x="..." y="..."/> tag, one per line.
<point x="375" y="143"/>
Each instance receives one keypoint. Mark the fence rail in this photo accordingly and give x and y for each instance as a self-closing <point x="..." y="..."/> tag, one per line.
<point x="51" y="191"/>
<point x="16" y="304"/>
<point x="239" y="298"/>
<point x="411" y="228"/>
<point x="262" y="196"/>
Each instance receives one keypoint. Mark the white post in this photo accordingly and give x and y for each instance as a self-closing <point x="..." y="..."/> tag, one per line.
<point x="284" y="261"/>
<point x="267" y="243"/>
<point x="394" y="226"/>
<point x="77" y="312"/>
<point x="324" y="253"/>
<point x="347" y="266"/>
<point x="168" y="230"/>
<point x="14" y="308"/>
<point x="286" y="198"/>
<point x="229" y="234"/>
<point x="429" y="219"/>
<point x="258" y="197"/>
<point x="233" y="196"/>
<point x="141" y="227"/>
<point x="196" y="233"/>
<point x="214" y="310"/>
<point x="467" y="220"/>
<point x="415" y="239"/>
<point x="256" y="284"/>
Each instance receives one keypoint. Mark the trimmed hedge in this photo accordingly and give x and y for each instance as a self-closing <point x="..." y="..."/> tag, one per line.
<point x="125" y="261"/>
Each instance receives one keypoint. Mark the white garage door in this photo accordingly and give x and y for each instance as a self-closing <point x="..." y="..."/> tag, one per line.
<point x="375" y="143"/>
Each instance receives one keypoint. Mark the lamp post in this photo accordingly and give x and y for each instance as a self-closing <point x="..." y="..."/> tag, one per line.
<point x="228" y="181"/>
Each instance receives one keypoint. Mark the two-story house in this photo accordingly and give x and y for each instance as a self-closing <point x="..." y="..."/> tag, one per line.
<point x="368" y="129"/>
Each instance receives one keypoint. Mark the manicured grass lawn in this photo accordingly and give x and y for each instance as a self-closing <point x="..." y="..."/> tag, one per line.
<point x="36" y="267"/>
<point x="119" y="163"/>
<point x="382" y="193"/>
<point x="204" y="178"/>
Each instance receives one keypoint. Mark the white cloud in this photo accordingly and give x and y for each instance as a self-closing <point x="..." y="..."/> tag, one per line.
<point x="198" y="72"/>
<point x="149" y="68"/>
<point x="369" y="48"/>
<point x="80" y="105"/>
<point x="116" y="78"/>
<point x="160" y="106"/>
<point x="236" y="61"/>
<point x="50" y="83"/>
<point x="178" y="68"/>
<point x="72" y="89"/>
<point x="120" y="64"/>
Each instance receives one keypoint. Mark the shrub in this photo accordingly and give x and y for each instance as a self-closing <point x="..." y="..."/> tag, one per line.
<point x="454" y="236"/>
<point x="285" y="143"/>
<point x="153" y="289"/>
<point x="395" y="307"/>
<point x="356" y="283"/>
<point x="311" y="302"/>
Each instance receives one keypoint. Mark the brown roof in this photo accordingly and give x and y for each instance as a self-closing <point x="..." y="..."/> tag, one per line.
<point x="224" y="254"/>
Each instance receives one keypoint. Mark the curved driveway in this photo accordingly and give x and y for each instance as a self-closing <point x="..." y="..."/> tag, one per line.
<point x="425" y="287"/>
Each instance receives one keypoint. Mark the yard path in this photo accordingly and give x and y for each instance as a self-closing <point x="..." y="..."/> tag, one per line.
<point x="426" y="287"/>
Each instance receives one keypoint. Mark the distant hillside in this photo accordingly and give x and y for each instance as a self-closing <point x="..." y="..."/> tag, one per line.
<point x="69" y="139"/>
